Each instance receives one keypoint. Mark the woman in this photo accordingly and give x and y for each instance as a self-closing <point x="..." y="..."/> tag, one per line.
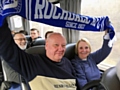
<point x="85" y="62"/>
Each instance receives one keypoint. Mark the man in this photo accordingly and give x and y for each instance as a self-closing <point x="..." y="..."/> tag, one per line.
<point x="47" y="72"/>
<point x="34" y="35"/>
<point x="13" y="79"/>
<point x="20" y="40"/>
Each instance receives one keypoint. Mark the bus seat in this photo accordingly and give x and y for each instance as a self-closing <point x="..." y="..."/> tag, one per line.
<point x="40" y="49"/>
<point x="70" y="51"/>
<point x="27" y="36"/>
<point x="110" y="80"/>
<point x="39" y="41"/>
<point x="10" y="82"/>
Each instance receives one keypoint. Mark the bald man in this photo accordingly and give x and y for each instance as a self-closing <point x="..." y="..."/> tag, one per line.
<point x="47" y="72"/>
<point x="55" y="47"/>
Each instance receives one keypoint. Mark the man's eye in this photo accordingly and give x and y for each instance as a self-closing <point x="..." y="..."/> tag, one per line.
<point x="63" y="46"/>
<point x="56" y="45"/>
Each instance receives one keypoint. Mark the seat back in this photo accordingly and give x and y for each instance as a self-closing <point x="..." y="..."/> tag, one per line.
<point x="70" y="51"/>
<point x="40" y="49"/>
<point x="27" y="37"/>
<point x="1" y="72"/>
<point x="110" y="80"/>
<point x="11" y="78"/>
<point x="39" y="41"/>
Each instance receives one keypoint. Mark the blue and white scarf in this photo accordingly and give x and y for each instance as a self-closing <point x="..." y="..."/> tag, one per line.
<point x="45" y="12"/>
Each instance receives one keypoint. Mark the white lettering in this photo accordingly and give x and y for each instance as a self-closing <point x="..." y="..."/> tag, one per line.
<point x="64" y="13"/>
<point x="98" y="23"/>
<point x="71" y="16"/>
<point x="12" y="4"/>
<point x="102" y="26"/>
<point x="94" y="22"/>
<point x="38" y="9"/>
<point x="81" y="26"/>
<point x="84" y="19"/>
<point x="71" y="24"/>
<point x="54" y="14"/>
<point x="46" y="15"/>
<point x="46" y="10"/>
<point x="77" y="18"/>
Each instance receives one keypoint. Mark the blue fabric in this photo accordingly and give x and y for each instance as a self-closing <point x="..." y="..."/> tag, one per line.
<point x="87" y="70"/>
<point x="15" y="86"/>
<point x="45" y="12"/>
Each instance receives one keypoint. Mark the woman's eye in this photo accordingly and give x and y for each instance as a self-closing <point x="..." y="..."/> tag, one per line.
<point x="86" y="47"/>
<point x="81" y="47"/>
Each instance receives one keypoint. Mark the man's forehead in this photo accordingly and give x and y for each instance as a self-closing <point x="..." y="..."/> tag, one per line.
<point x="35" y="31"/>
<point x="20" y="35"/>
<point x="56" y="35"/>
<point x="57" y="41"/>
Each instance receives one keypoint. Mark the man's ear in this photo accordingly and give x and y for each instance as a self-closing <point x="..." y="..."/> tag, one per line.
<point x="46" y="45"/>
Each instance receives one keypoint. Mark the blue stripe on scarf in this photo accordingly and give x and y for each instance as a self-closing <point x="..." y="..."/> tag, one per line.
<point x="45" y="12"/>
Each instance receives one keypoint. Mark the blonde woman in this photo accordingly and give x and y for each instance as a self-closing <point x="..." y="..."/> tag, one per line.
<point x="85" y="62"/>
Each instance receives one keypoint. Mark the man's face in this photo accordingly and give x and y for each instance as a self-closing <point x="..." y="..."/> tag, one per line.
<point x="21" y="41"/>
<point x="34" y="34"/>
<point x="55" y="47"/>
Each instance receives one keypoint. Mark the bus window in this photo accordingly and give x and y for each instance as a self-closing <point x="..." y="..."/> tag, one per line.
<point x="99" y="8"/>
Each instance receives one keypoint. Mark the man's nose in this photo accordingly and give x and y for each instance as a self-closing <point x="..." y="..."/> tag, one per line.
<point x="61" y="47"/>
<point x="23" y="40"/>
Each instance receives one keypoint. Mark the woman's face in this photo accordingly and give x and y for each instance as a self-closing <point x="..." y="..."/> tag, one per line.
<point x="83" y="50"/>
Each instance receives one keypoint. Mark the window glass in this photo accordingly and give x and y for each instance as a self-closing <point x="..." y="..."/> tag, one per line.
<point x="103" y="8"/>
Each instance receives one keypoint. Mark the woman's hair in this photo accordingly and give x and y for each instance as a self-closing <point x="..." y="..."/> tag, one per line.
<point x="82" y="40"/>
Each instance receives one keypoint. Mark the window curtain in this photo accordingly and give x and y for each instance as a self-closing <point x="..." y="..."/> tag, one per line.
<point x="72" y="36"/>
<point x="26" y="25"/>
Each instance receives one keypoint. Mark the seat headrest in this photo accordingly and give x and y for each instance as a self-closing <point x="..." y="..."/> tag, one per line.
<point x="70" y="51"/>
<point x="39" y="41"/>
<point x="36" y="50"/>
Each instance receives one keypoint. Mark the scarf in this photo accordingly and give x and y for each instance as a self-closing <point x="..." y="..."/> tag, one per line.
<point x="45" y="12"/>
